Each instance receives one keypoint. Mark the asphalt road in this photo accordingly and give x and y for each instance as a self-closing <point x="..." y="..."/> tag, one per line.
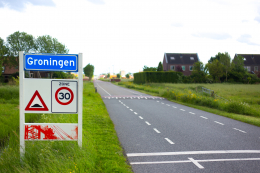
<point x="163" y="137"/>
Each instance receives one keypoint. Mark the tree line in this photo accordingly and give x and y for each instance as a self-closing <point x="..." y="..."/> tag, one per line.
<point x="219" y="68"/>
<point x="21" y="41"/>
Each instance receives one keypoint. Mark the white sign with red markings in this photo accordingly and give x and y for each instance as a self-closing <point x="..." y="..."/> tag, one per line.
<point x="64" y="96"/>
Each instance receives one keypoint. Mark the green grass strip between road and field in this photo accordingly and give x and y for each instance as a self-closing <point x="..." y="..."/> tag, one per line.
<point x="101" y="150"/>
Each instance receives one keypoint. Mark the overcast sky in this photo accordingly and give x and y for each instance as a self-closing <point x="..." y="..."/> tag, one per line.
<point x="128" y="34"/>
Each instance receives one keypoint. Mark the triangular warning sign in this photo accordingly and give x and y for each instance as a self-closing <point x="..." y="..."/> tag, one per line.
<point x="36" y="103"/>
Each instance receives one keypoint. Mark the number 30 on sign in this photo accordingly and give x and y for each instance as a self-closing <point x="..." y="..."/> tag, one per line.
<point x="64" y="95"/>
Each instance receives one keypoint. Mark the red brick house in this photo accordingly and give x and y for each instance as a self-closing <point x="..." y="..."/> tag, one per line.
<point x="251" y="62"/>
<point x="185" y="60"/>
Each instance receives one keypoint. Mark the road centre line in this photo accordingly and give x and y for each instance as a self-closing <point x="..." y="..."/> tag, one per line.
<point x="147" y="123"/>
<point x="188" y="161"/>
<point x="141" y="117"/>
<point x="193" y="152"/>
<point x="204" y="117"/>
<point x="196" y="163"/>
<point x="191" y="113"/>
<point x="103" y="89"/>
<point x="174" y="107"/>
<point x="169" y="140"/>
<point x="219" y="123"/>
<point x="135" y="113"/>
<point x="162" y="103"/>
<point x="157" y="131"/>
<point x="131" y="109"/>
<point x="157" y="101"/>
<point x="239" y="130"/>
<point x="127" y="107"/>
<point x="167" y="105"/>
<point x="182" y="109"/>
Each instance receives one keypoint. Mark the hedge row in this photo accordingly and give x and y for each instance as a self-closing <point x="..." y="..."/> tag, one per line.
<point x="157" y="77"/>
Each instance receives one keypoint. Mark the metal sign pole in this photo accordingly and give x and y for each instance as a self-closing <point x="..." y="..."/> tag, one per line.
<point x="80" y="95"/>
<point x="22" y="118"/>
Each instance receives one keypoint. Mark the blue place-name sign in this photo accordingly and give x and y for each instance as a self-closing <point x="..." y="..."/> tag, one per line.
<point x="45" y="62"/>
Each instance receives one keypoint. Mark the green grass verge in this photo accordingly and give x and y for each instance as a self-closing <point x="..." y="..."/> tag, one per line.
<point x="167" y="91"/>
<point x="100" y="152"/>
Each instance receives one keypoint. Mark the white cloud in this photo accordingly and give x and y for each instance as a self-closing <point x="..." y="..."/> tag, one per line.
<point x="97" y="1"/>
<point x="246" y="39"/>
<point x="19" y="5"/>
<point x="215" y="36"/>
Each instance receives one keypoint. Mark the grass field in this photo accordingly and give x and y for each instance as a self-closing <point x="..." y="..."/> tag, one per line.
<point x="237" y="101"/>
<point x="100" y="152"/>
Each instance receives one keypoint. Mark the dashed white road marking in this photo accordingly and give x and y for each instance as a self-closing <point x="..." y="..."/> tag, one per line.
<point x="239" y="130"/>
<point x="147" y="123"/>
<point x="174" y="107"/>
<point x="204" y="117"/>
<point x="219" y="123"/>
<point x="191" y="113"/>
<point x="157" y="131"/>
<point x="141" y="117"/>
<point x="168" y="105"/>
<point x="135" y="113"/>
<point x="182" y="109"/>
<point x="169" y="140"/>
<point x="157" y="101"/>
<point x="131" y="109"/>
<point x="127" y="107"/>
<point x="162" y="103"/>
<point x="196" y="163"/>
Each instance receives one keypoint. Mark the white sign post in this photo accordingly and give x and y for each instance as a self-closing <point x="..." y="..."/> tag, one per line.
<point x="50" y="96"/>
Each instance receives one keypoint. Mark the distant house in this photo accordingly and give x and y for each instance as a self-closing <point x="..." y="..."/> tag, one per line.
<point x="251" y="62"/>
<point x="7" y="72"/>
<point x="184" y="60"/>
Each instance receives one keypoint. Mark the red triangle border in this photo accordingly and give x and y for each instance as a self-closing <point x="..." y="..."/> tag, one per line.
<point x="45" y="108"/>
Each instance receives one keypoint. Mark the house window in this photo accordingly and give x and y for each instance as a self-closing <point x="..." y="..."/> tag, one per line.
<point x="3" y="69"/>
<point x="183" y="68"/>
<point x="244" y="59"/>
<point x="31" y="75"/>
<point x="247" y="68"/>
<point x="191" y="68"/>
<point x="256" y="68"/>
<point x="172" y="58"/>
<point x="191" y="58"/>
<point x="172" y="67"/>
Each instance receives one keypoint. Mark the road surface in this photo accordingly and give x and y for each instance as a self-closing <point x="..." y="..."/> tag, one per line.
<point x="163" y="137"/>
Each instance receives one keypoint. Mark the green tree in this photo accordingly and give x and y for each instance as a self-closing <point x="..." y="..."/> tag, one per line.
<point x="89" y="71"/>
<point x="160" y="66"/>
<point x="216" y="69"/>
<point x="145" y="68"/>
<point x="127" y="76"/>
<point x="199" y="73"/>
<point x="108" y="75"/>
<point x="47" y="44"/>
<point x="20" y="41"/>
<point x="238" y="72"/>
<point x="118" y="75"/>
<point x="215" y="57"/>
<point x="3" y="52"/>
<point x="225" y="61"/>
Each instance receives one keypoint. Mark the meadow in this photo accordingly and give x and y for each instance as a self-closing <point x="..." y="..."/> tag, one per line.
<point x="100" y="152"/>
<point x="237" y="101"/>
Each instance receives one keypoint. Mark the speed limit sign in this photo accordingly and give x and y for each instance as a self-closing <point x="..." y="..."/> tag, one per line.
<point x="64" y="96"/>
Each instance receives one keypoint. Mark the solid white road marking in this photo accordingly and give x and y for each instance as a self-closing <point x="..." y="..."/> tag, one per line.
<point x="141" y="117"/>
<point x="104" y="90"/>
<point x="157" y="131"/>
<point x="182" y="109"/>
<point x="196" y="163"/>
<point x="135" y="113"/>
<point x="239" y="130"/>
<point x="191" y="113"/>
<point x="204" y="117"/>
<point x="169" y="140"/>
<point x="188" y="161"/>
<point x="219" y="123"/>
<point x="131" y="109"/>
<point x="192" y="152"/>
<point x="147" y="123"/>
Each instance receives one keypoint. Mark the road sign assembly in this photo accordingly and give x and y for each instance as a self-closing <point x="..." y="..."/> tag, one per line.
<point x="50" y="96"/>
